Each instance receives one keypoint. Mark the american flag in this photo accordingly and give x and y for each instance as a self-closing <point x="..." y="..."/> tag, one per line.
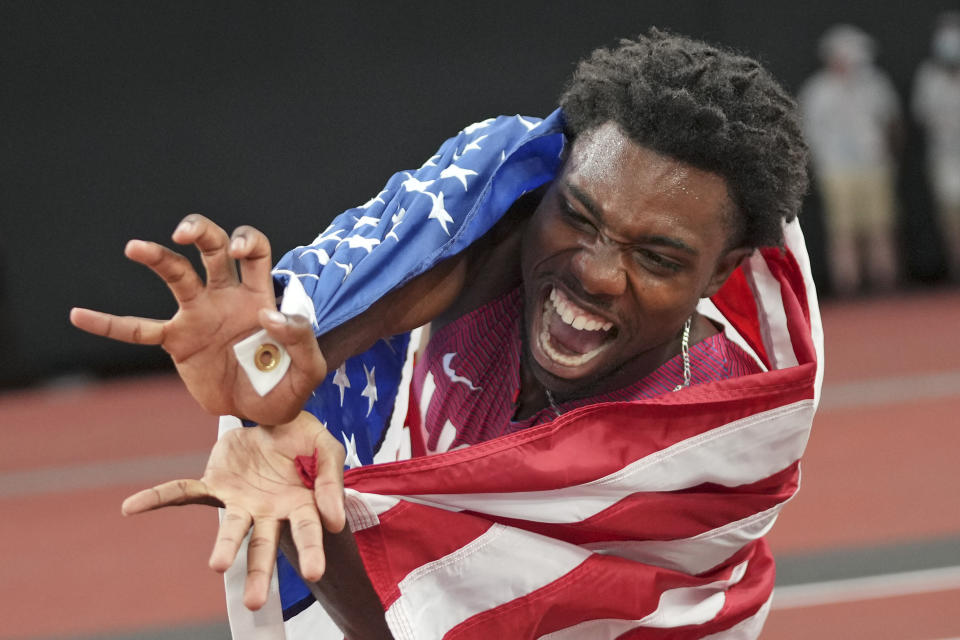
<point x="616" y="520"/>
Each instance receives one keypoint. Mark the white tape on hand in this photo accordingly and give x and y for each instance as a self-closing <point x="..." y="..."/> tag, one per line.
<point x="264" y="360"/>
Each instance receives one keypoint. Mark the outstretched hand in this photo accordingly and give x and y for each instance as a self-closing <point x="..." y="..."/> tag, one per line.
<point x="212" y="317"/>
<point x="252" y="474"/>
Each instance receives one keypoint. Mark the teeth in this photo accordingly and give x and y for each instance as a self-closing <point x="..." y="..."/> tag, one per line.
<point x="574" y="316"/>
<point x="565" y="360"/>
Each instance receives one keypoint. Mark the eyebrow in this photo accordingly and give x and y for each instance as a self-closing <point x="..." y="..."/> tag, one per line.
<point x="594" y="210"/>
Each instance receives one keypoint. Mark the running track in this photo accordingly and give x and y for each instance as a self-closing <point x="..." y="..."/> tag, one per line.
<point x="870" y="548"/>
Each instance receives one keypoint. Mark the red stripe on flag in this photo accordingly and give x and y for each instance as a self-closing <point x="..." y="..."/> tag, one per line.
<point x="784" y="268"/>
<point x="567" y="451"/>
<point x="428" y="534"/>
<point x="735" y="301"/>
<point x="670" y="515"/>
<point x="607" y="587"/>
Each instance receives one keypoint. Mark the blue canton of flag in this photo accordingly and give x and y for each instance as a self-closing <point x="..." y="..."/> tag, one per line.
<point x="420" y="218"/>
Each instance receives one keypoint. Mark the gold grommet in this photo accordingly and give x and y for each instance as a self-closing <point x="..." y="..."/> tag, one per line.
<point x="267" y="357"/>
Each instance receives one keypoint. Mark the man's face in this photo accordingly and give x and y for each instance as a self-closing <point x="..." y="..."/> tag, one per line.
<point x="614" y="260"/>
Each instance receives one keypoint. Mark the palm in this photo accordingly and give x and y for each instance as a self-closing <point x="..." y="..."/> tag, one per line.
<point x="252" y="474"/>
<point x="251" y="470"/>
<point x="198" y="338"/>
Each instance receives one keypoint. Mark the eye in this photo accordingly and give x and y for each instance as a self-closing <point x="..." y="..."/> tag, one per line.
<point x="656" y="262"/>
<point x="574" y="218"/>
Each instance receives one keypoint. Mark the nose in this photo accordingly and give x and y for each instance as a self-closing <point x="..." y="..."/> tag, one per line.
<point x="600" y="270"/>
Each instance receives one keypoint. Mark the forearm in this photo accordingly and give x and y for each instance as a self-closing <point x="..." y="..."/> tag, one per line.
<point x="408" y="307"/>
<point x="345" y="591"/>
<point x="491" y="266"/>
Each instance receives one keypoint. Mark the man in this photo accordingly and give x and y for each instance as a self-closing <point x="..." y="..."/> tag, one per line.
<point x="936" y="106"/>
<point x="851" y="117"/>
<point x="571" y="285"/>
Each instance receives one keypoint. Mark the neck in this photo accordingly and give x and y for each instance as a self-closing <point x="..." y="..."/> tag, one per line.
<point x="533" y="398"/>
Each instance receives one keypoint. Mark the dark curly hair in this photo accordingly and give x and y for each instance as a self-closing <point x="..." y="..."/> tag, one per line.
<point x="711" y="108"/>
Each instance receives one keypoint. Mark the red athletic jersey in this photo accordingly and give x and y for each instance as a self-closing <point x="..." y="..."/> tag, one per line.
<point x="466" y="384"/>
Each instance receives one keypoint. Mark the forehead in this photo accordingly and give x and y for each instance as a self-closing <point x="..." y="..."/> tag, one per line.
<point x="624" y="178"/>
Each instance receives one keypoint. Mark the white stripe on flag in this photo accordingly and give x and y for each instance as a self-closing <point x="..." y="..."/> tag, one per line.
<point x="267" y="622"/>
<point x="746" y="629"/>
<point x="727" y="455"/>
<point x="677" y="608"/>
<point x="793" y="239"/>
<point x="773" y="318"/>
<point x="429" y="387"/>
<point x="396" y="440"/>
<point x="363" y="509"/>
<point x="496" y="567"/>
<point x="313" y="623"/>
<point x="426" y="395"/>
<point x="447" y="435"/>
<point x="697" y="554"/>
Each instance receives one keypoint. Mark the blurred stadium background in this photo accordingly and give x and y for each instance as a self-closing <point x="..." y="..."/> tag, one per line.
<point x="120" y="118"/>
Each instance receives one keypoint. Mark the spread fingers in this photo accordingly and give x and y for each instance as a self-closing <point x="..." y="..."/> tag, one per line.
<point x="212" y="242"/>
<point x="308" y="538"/>
<point x="122" y="328"/>
<point x="261" y="557"/>
<point x="252" y="249"/>
<point x="233" y="528"/>
<point x="175" y="269"/>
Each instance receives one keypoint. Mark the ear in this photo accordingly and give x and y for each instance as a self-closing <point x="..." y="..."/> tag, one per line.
<point x="725" y="266"/>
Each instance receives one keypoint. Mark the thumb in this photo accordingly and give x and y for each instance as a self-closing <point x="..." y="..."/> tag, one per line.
<point x="170" y="494"/>
<point x="296" y="335"/>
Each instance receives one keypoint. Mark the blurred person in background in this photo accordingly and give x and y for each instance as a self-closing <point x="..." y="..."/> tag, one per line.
<point x="936" y="106"/>
<point x="852" y="122"/>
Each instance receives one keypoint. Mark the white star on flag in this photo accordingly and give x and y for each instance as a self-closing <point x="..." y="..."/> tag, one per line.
<point x="360" y="242"/>
<point x="453" y="171"/>
<point x="352" y="460"/>
<point x="325" y="237"/>
<point x="473" y="146"/>
<point x="347" y="268"/>
<point x="438" y="213"/>
<point x="341" y="380"/>
<point x="293" y="274"/>
<point x="370" y="391"/>
<point x="413" y="184"/>
<point x="376" y="198"/>
<point x="396" y="219"/>
<point x="477" y="125"/>
<point x="365" y="221"/>
<point x="430" y="161"/>
<point x="322" y="256"/>
<point x="529" y="125"/>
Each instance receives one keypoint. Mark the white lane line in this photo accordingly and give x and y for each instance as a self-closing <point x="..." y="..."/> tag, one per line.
<point x="102" y="474"/>
<point x="814" y="594"/>
<point x="891" y="390"/>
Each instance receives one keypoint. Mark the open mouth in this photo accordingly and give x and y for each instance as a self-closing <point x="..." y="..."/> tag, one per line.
<point x="570" y="335"/>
